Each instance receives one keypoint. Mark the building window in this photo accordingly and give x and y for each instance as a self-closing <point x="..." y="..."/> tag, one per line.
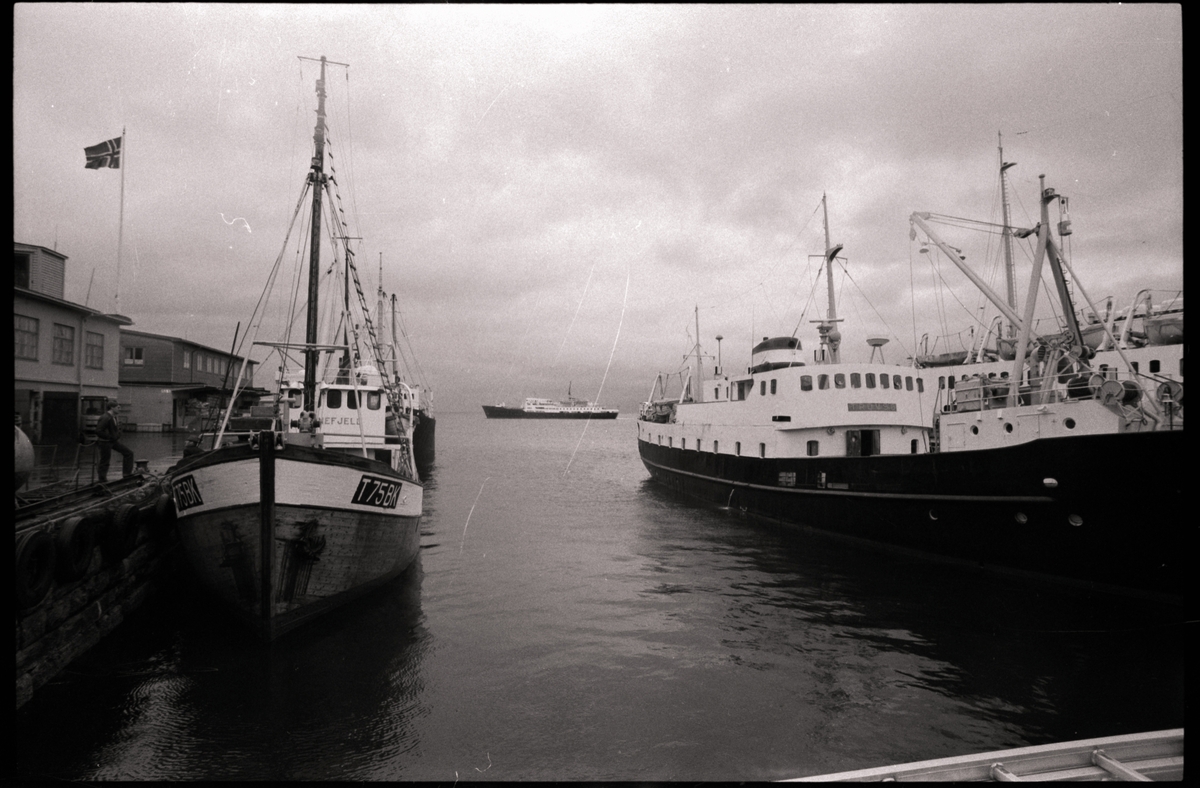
<point x="64" y="344"/>
<point x="25" y="337"/>
<point x="839" y="380"/>
<point x="822" y="382"/>
<point x="806" y="382"/>
<point x="133" y="357"/>
<point x="855" y="380"/>
<point x="21" y="261"/>
<point x="814" y="448"/>
<point x="187" y="359"/>
<point x="870" y="380"/>
<point x="94" y="352"/>
<point x="772" y="385"/>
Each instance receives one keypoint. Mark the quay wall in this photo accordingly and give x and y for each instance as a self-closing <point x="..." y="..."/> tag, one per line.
<point x="76" y="615"/>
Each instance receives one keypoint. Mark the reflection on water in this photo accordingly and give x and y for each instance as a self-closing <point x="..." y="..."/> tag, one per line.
<point x="570" y="620"/>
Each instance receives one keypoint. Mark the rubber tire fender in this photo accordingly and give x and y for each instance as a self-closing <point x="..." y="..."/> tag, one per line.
<point x="34" y="568"/>
<point x="121" y="535"/>
<point x="75" y="543"/>
<point x="164" y="513"/>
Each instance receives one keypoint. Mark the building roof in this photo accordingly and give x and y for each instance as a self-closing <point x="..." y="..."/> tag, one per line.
<point x="120" y="320"/>
<point x="193" y="343"/>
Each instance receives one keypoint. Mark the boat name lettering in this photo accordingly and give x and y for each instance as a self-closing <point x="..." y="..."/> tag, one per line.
<point x="373" y="491"/>
<point x="341" y="420"/>
<point x="853" y="406"/>
<point x="187" y="494"/>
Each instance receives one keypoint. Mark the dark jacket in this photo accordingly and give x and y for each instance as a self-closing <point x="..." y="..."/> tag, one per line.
<point x="107" y="428"/>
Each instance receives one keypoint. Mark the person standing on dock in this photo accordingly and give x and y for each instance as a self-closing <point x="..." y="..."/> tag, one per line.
<point x="108" y="433"/>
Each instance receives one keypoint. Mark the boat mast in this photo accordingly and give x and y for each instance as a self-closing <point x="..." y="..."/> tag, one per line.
<point x="316" y="179"/>
<point x="698" y="382"/>
<point x="1010" y="278"/>
<point x="831" y="338"/>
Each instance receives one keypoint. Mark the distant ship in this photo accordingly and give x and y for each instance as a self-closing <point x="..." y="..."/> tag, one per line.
<point x="537" y="408"/>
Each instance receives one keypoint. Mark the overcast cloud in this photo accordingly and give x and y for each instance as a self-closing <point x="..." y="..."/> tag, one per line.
<point x="555" y="189"/>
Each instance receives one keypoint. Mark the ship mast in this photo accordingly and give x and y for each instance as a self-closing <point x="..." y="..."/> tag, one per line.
<point x="316" y="179"/>
<point x="831" y="338"/>
<point x="1010" y="274"/>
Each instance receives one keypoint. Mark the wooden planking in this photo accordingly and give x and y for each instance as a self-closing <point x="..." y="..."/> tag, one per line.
<point x="1158" y="754"/>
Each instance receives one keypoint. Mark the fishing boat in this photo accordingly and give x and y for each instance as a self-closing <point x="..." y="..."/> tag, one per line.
<point x="1140" y="757"/>
<point x="1010" y="474"/>
<point x="424" y="424"/>
<point x="312" y="498"/>
<point x="538" y="408"/>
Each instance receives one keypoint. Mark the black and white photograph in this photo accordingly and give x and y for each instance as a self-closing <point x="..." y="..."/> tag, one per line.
<point x="598" y="392"/>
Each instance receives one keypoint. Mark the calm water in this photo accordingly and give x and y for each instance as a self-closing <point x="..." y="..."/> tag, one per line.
<point x="568" y="620"/>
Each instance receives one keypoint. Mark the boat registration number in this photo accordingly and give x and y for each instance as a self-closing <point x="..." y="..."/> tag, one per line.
<point x="373" y="491"/>
<point x="187" y="494"/>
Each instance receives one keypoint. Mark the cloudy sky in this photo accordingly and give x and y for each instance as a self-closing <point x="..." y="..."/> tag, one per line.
<point x="554" y="190"/>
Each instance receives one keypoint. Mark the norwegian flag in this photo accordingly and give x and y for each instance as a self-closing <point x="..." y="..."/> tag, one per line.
<point x="106" y="154"/>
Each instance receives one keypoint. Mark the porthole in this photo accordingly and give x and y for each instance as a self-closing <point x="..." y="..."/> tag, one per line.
<point x="974" y="429"/>
<point x="1069" y="423"/>
<point x="1008" y="427"/>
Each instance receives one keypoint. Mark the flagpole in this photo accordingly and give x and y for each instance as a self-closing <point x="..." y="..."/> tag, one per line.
<point x="124" y="162"/>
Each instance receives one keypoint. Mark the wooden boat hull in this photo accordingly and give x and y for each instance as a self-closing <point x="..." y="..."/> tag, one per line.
<point x="1014" y="507"/>
<point x="1154" y="756"/>
<point x="283" y="538"/>
<point x="500" y="412"/>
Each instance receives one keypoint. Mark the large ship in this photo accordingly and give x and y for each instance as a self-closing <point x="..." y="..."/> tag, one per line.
<point x="537" y="408"/>
<point x="1051" y="467"/>
<point x="312" y="498"/>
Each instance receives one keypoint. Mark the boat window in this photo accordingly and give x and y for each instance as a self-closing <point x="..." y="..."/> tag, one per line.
<point x="670" y="441"/>
<point x="806" y="382"/>
<point x="896" y="382"/>
<point x="839" y="380"/>
<point x="714" y="447"/>
<point x="870" y="380"/>
<point x="855" y="380"/>
<point x="814" y="448"/>
<point x="716" y="392"/>
<point x="762" y="388"/>
<point x="941" y="381"/>
<point x="333" y="398"/>
<point x="1155" y="365"/>
<point x="373" y="400"/>
<point x="822" y="382"/>
<point x="351" y="400"/>
<point x="683" y="443"/>
<point x="1134" y="364"/>
<point x="737" y="448"/>
<point x="915" y="445"/>
<point x="762" y="450"/>
<point x="772" y="385"/>
<point x="884" y="382"/>
<point x="920" y="385"/>
<point x="950" y="382"/>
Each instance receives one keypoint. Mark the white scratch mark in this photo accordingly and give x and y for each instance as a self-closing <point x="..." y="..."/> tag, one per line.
<point x="468" y="522"/>
<point x="237" y="219"/>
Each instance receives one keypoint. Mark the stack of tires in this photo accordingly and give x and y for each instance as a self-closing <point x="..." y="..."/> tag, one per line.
<point x="64" y="550"/>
